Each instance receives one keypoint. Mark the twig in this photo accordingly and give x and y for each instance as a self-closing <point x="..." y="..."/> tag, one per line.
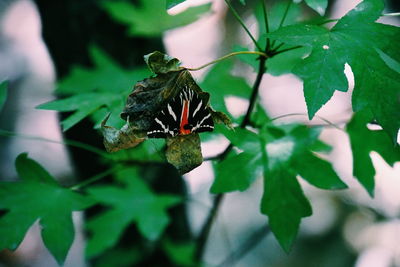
<point x="95" y="178"/>
<point x="66" y="142"/>
<point x="266" y="23"/>
<point x="262" y="54"/>
<point x="234" y="12"/>
<point x="305" y="114"/>
<point x="283" y="19"/>
<point x="285" y="14"/>
<point x="204" y="232"/>
<point x="287" y="49"/>
<point x="248" y="245"/>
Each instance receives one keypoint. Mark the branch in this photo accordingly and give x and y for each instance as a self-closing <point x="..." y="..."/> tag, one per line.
<point x="205" y="230"/>
<point x="95" y="178"/>
<point x="249" y="244"/>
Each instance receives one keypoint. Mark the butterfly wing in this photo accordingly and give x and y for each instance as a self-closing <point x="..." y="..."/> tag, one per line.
<point x="166" y="123"/>
<point x="199" y="115"/>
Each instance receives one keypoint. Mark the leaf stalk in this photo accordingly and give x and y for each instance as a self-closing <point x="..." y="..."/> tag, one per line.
<point x="239" y="19"/>
<point x="262" y="54"/>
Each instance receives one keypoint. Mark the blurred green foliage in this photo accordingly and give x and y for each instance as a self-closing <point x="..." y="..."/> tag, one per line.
<point x="278" y="153"/>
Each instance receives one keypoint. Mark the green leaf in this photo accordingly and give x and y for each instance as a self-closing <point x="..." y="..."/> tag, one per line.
<point x="363" y="141"/>
<point x="133" y="202"/>
<point x="172" y="3"/>
<point x="259" y="116"/>
<point x="285" y="62"/>
<point x="38" y="197"/>
<point x="30" y="170"/>
<point x="285" y="204"/>
<point x="84" y="104"/>
<point x="181" y="253"/>
<point x="355" y="40"/>
<point x="105" y="76"/>
<point x="149" y="17"/>
<point x="3" y="93"/>
<point x="96" y="91"/>
<point x="317" y="172"/>
<point x="287" y="154"/>
<point x="237" y="172"/>
<point x="318" y="5"/>
<point x="393" y="64"/>
<point x="241" y="138"/>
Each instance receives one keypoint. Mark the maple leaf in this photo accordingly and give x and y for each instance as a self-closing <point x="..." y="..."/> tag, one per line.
<point x="130" y="202"/>
<point x="37" y="196"/>
<point x="95" y="91"/>
<point x="280" y="153"/>
<point x="363" y="141"/>
<point x="150" y="18"/>
<point x="356" y="39"/>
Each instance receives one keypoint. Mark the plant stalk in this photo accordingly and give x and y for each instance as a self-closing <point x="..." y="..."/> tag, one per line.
<point x="239" y="19"/>
<point x="205" y="231"/>
<point x="262" y="54"/>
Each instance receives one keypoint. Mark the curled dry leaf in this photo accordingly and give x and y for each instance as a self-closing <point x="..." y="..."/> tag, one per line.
<point x="115" y="139"/>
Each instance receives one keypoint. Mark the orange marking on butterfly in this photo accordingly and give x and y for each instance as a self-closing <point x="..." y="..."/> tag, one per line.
<point x="184" y="118"/>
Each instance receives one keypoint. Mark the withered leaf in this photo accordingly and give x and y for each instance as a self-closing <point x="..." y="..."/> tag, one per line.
<point x="161" y="63"/>
<point x="115" y="140"/>
<point x="184" y="152"/>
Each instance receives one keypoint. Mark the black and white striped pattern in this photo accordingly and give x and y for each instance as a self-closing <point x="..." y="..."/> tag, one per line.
<point x="169" y="121"/>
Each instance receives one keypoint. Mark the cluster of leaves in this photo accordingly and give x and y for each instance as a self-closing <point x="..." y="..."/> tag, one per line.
<point x="317" y="55"/>
<point x="38" y="196"/>
<point x="279" y="153"/>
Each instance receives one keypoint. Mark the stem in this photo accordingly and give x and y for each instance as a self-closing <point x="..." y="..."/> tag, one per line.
<point x="249" y="244"/>
<point x="242" y="23"/>
<point x="205" y="231"/>
<point x="254" y="93"/>
<point x="305" y="114"/>
<point x="283" y="18"/>
<point x="287" y="49"/>
<point x="95" y="178"/>
<point x="66" y="142"/>
<point x="228" y="56"/>
<point x="266" y="24"/>
<point x="285" y="14"/>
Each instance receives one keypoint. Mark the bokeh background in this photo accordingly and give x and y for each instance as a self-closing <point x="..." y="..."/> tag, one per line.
<point x="40" y="42"/>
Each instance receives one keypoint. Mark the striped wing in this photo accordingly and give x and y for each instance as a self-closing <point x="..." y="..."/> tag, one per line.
<point x="166" y="124"/>
<point x="200" y="116"/>
<point x="186" y="113"/>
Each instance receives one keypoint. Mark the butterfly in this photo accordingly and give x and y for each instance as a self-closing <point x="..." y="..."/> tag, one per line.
<point x="186" y="113"/>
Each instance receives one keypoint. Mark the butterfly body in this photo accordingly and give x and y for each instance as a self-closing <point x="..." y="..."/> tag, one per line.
<point x="186" y="113"/>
